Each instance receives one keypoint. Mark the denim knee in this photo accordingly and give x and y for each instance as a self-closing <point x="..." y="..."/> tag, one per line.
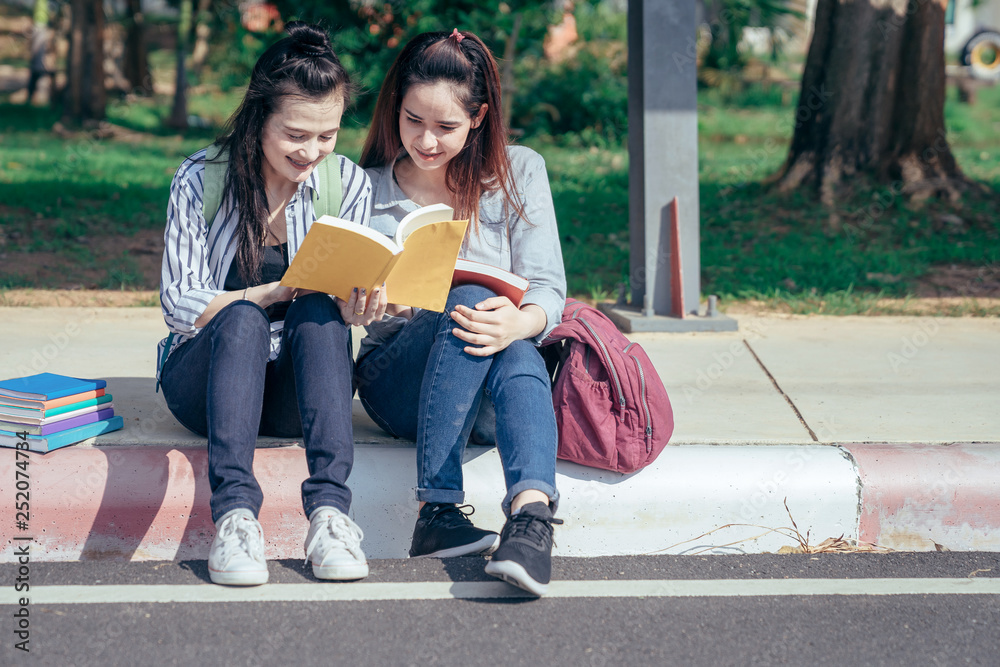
<point x="520" y="358"/>
<point x="467" y="295"/>
<point x="243" y="322"/>
<point x="314" y="307"/>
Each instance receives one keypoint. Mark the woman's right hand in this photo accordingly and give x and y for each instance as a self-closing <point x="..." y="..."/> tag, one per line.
<point x="271" y="293"/>
<point x="362" y="309"/>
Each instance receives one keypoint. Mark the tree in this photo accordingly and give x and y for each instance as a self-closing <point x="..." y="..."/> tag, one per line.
<point x="40" y="35"/>
<point x="202" y="32"/>
<point x="85" y="98"/>
<point x="178" y="112"/>
<point x="369" y="34"/>
<point x="872" y="100"/>
<point x="136" y="60"/>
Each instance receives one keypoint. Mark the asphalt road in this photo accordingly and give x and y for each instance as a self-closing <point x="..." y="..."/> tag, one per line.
<point x="648" y="623"/>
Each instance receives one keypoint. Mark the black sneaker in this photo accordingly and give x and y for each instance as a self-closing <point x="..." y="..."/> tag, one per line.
<point x="524" y="557"/>
<point x="443" y="530"/>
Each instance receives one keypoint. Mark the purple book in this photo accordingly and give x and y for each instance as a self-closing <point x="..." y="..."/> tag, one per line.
<point x="73" y="422"/>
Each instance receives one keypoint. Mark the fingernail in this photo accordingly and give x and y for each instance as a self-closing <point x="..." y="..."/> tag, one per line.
<point x="355" y="290"/>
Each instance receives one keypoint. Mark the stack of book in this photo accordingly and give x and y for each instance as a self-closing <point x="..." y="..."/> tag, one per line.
<point x="50" y="411"/>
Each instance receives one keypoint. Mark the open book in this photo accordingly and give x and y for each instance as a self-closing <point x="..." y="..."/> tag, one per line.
<point x="504" y="283"/>
<point x="416" y="265"/>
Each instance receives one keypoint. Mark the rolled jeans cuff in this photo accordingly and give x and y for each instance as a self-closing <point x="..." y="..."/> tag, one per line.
<point x="536" y="485"/>
<point x="440" y="496"/>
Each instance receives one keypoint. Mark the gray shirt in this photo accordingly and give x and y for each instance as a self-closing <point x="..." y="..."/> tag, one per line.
<point x="530" y="248"/>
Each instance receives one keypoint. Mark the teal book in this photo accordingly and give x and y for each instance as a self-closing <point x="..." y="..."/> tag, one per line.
<point x="46" y="443"/>
<point x="47" y="386"/>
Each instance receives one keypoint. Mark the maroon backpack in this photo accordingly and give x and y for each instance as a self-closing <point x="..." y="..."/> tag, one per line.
<point x="611" y="407"/>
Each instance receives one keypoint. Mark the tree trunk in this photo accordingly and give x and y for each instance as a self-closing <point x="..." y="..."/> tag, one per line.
<point x="872" y="100"/>
<point x="202" y="31"/>
<point x="40" y="36"/>
<point x="178" y="114"/>
<point x="136" y="60"/>
<point x="85" y="98"/>
<point x="507" y="84"/>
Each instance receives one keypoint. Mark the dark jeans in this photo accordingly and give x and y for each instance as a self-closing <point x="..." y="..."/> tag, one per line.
<point x="423" y="386"/>
<point x="220" y="384"/>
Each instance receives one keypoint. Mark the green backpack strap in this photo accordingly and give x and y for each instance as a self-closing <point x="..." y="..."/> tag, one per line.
<point x="328" y="176"/>
<point x="214" y="180"/>
<point x="327" y="200"/>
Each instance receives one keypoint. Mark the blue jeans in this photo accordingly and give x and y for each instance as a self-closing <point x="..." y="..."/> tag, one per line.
<point x="421" y="385"/>
<point x="220" y="384"/>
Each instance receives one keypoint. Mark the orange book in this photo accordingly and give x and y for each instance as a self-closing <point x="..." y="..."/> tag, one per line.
<point x="504" y="283"/>
<point x="53" y="403"/>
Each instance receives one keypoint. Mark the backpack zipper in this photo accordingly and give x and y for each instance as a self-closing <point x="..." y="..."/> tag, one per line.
<point x="642" y="398"/>
<point x="611" y="366"/>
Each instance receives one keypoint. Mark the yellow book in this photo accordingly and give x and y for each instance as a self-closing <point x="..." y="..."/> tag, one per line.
<point x="416" y="264"/>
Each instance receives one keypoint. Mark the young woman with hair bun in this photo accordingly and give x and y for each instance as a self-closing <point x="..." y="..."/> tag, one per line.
<point x="247" y="356"/>
<point x="438" y="135"/>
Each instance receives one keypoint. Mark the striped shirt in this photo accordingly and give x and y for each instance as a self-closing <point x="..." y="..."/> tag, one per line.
<point x="196" y="259"/>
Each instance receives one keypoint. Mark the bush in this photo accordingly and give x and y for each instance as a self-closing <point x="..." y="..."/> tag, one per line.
<point x="585" y="93"/>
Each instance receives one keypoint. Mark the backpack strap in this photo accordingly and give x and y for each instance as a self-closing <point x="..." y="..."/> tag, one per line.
<point x="214" y="181"/>
<point x="327" y="200"/>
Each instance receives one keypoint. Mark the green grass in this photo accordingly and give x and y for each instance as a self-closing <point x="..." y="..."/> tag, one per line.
<point x="758" y="244"/>
<point x="755" y="244"/>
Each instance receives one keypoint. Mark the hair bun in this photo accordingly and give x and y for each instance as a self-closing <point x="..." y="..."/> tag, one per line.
<point x="310" y="39"/>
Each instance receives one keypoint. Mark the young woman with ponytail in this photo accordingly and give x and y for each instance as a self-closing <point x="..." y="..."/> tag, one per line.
<point x="438" y="135"/>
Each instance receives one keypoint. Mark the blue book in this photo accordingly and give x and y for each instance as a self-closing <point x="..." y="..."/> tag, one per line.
<point x="47" y="386"/>
<point x="46" y="443"/>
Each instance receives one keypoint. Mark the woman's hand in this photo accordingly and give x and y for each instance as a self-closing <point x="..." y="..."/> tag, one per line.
<point x="362" y="309"/>
<point x="496" y="323"/>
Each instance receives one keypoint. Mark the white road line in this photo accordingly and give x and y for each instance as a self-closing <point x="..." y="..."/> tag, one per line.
<point x="323" y="592"/>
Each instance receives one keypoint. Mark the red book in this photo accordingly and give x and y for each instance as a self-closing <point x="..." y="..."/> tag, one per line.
<point x="504" y="283"/>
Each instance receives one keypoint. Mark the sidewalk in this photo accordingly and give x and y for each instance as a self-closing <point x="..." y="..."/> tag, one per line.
<point x="880" y="429"/>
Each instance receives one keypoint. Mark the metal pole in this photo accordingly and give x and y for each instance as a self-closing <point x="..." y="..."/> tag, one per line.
<point x="663" y="164"/>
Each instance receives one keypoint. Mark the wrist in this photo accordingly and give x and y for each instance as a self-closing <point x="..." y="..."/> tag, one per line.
<point x="534" y="319"/>
<point x="254" y="294"/>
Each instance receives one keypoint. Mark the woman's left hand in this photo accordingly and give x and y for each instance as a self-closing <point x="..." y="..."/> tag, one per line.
<point x="496" y="323"/>
<point x="362" y="309"/>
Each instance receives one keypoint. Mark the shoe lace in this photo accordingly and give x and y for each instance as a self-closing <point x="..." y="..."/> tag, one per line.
<point x="240" y="534"/>
<point x="450" y="515"/>
<point x="338" y="531"/>
<point x="530" y="528"/>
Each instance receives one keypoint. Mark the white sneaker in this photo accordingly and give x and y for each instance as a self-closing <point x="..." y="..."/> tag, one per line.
<point x="333" y="545"/>
<point x="237" y="554"/>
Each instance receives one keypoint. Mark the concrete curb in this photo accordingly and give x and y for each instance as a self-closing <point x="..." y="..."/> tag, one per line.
<point x="151" y="503"/>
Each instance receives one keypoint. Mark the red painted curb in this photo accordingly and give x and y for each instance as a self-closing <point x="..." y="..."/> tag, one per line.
<point x="915" y="497"/>
<point x="145" y="503"/>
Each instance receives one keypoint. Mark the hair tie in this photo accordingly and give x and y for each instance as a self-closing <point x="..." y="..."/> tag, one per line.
<point x="312" y="50"/>
<point x="457" y="35"/>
